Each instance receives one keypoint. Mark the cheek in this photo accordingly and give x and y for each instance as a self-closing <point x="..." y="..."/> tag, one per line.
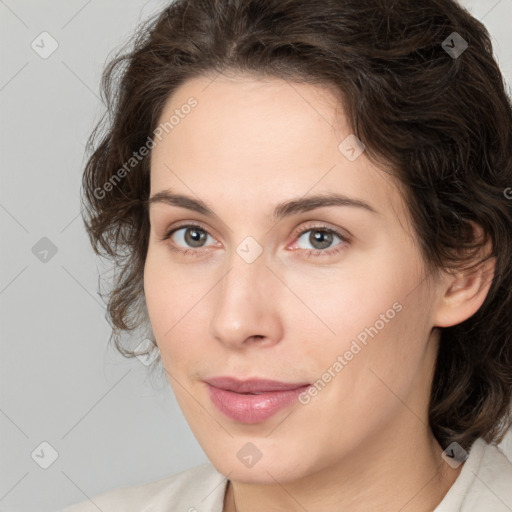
<point x="366" y="322"/>
<point x="376" y="364"/>
<point x="379" y="300"/>
<point x="164" y="296"/>
<point x="176" y="307"/>
<point x="158" y="300"/>
<point x="347" y="306"/>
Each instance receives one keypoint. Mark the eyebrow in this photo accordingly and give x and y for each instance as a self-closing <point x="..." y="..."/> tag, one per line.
<point x="284" y="209"/>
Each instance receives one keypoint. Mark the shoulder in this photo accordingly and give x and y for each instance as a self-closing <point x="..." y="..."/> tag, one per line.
<point x="200" y="488"/>
<point x="485" y="481"/>
<point x="492" y="487"/>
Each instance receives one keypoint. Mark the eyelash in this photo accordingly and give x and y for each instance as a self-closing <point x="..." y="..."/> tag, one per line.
<point x="310" y="252"/>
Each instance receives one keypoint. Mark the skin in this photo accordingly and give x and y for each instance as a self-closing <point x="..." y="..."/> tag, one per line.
<point x="363" y="443"/>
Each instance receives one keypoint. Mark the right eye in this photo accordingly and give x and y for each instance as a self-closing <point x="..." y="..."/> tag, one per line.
<point x="189" y="237"/>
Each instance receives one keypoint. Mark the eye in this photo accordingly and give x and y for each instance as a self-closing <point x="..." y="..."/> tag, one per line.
<point x="321" y="238"/>
<point x="188" y="237"/>
<point x="193" y="239"/>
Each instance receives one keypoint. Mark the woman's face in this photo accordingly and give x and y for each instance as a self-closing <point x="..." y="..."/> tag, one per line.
<point x="271" y="284"/>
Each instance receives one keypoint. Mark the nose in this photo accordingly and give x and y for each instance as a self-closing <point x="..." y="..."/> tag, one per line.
<point x="247" y="305"/>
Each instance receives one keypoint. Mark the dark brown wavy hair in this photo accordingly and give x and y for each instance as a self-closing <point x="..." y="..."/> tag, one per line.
<point x="440" y="123"/>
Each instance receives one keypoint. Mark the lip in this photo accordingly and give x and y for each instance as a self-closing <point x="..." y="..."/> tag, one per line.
<point x="253" y="400"/>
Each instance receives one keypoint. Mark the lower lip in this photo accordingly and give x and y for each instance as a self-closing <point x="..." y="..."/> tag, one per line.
<point x="253" y="408"/>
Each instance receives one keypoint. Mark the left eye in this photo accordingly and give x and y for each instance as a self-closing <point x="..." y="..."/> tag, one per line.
<point x="319" y="238"/>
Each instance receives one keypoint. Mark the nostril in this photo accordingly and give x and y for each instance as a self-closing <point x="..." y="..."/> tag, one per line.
<point x="255" y="338"/>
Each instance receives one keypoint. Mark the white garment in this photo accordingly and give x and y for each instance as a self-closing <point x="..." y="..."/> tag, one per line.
<point x="483" y="485"/>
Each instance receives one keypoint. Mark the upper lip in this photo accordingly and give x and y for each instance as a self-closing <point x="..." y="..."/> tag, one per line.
<point x="253" y="385"/>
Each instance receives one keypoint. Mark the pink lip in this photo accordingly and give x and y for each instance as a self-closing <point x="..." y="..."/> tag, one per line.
<point x="232" y="397"/>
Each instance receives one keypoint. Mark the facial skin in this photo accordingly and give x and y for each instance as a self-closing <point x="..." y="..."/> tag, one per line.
<point x="363" y="443"/>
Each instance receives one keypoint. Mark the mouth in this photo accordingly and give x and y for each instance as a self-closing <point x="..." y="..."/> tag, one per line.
<point x="254" y="400"/>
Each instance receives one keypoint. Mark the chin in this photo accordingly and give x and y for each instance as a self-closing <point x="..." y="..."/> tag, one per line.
<point x="267" y="470"/>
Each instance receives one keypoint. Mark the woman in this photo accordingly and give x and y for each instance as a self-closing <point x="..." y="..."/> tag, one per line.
<point x="309" y="204"/>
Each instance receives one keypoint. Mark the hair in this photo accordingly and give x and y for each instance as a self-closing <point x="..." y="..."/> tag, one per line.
<point x="440" y="123"/>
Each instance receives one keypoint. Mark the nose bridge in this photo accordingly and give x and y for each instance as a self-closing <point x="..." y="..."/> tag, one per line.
<point x="245" y="301"/>
<point x="243" y="283"/>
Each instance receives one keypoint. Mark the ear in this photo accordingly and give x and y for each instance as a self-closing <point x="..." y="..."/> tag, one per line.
<point x="462" y="293"/>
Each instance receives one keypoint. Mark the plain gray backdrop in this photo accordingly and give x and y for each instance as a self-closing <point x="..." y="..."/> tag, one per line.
<point x="67" y="399"/>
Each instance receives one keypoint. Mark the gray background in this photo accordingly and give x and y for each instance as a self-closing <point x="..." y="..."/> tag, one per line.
<point x="60" y="382"/>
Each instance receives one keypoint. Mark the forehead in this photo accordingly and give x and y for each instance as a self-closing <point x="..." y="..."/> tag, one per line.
<point x="256" y="139"/>
<point x="259" y="118"/>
